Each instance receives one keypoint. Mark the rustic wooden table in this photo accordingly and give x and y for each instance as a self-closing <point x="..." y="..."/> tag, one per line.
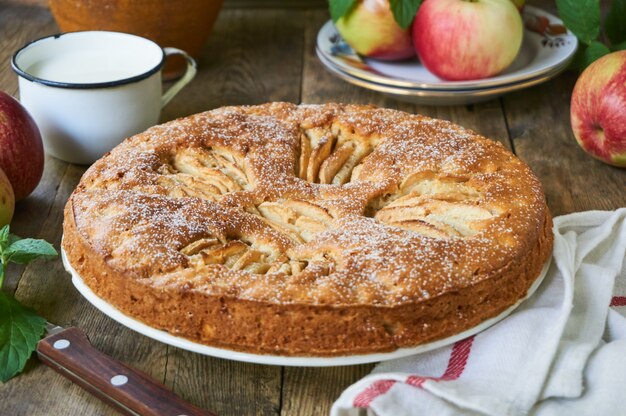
<point x="256" y="55"/>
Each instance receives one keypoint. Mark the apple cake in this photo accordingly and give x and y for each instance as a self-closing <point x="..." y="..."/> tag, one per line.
<point x="311" y="230"/>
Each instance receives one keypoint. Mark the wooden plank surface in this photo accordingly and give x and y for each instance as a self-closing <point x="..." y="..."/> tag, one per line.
<point x="257" y="55"/>
<point x="241" y="63"/>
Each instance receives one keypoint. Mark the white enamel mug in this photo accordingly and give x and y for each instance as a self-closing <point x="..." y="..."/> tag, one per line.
<point x="88" y="91"/>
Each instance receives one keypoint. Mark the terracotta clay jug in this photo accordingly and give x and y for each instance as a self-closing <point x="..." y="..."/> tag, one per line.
<point x="184" y="24"/>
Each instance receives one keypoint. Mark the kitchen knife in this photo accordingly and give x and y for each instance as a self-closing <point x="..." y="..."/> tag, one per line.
<point x="69" y="352"/>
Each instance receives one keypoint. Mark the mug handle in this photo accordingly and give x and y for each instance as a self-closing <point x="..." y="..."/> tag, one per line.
<point x="190" y="73"/>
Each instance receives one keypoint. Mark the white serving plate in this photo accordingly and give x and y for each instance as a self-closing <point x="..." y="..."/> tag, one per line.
<point x="539" y="55"/>
<point x="438" y="97"/>
<point x="186" y="344"/>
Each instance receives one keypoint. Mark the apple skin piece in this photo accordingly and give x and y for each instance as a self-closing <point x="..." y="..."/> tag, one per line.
<point x="465" y="40"/>
<point x="371" y="30"/>
<point x="7" y="200"/>
<point x="598" y="109"/>
<point x="21" y="148"/>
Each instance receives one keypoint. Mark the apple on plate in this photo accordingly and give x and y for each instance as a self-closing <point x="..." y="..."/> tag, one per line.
<point x="7" y="200"/>
<point x="467" y="39"/>
<point x="598" y="109"/>
<point x="371" y="30"/>
<point x="21" y="148"/>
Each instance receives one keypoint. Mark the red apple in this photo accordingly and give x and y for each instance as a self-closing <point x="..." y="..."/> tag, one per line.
<point x="598" y="109"/>
<point x="7" y="200"/>
<point x="467" y="39"/>
<point x="21" y="149"/>
<point x="371" y="30"/>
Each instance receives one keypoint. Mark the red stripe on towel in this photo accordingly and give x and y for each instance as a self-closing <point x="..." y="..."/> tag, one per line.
<point x="618" y="301"/>
<point x="458" y="359"/>
<point x="374" y="390"/>
<point x="456" y="365"/>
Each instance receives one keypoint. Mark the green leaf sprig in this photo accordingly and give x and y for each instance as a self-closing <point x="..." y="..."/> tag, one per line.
<point x="20" y="327"/>
<point x="404" y="11"/>
<point x="582" y="17"/>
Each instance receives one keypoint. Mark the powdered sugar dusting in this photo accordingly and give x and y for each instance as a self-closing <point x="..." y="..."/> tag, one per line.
<point x="139" y="208"/>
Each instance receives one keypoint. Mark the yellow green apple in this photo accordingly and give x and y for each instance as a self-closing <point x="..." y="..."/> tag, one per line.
<point x="371" y="30"/>
<point x="598" y="109"/>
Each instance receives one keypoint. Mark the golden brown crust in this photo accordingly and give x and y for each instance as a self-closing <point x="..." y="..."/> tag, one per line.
<point x="309" y="230"/>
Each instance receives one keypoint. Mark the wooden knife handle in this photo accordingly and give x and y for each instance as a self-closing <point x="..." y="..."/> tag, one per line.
<point x="133" y="393"/>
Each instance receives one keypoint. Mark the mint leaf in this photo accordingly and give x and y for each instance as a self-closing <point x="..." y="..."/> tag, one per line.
<point x="13" y="238"/>
<point x="20" y="327"/>
<point x="615" y="23"/>
<point x="586" y="56"/>
<point x="28" y="249"/>
<point x="4" y="237"/>
<point x="404" y="11"/>
<point x="20" y="330"/>
<point x="595" y="51"/>
<point x="340" y="8"/>
<point x="582" y="17"/>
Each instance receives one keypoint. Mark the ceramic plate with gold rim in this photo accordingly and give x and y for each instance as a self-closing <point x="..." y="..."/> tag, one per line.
<point x="438" y="97"/>
<point x="547" y="46"/>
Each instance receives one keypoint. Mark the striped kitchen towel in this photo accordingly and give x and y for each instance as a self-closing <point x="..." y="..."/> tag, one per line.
<point x="563" y="351"/>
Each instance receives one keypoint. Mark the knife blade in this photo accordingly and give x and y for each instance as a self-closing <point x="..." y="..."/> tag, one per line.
<point x="69" y="352"/>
